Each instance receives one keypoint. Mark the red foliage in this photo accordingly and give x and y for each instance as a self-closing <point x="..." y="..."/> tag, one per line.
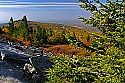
<point x="59" y="50"/>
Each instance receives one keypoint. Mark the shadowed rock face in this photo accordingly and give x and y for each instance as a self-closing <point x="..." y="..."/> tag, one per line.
<point x="37" y="68"/>
<point x="10" y="73"/>
<point x="34" y="66"/>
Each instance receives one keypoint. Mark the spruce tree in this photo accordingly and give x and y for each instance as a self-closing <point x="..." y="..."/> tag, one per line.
<point x="24" y="26"/>
<point x="50" y="32"/>
<point x="88" y="38"/>
<point x="25" y="21"/>
<point x="0" y="30"/>
<point x="11" y="25"/>
<point x="42" y="35"/>
<point x="109" y="18"/>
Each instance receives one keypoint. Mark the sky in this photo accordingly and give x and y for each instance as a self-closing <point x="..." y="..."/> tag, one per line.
<point x="50" y="0"/>
<point x="42" y="10"/>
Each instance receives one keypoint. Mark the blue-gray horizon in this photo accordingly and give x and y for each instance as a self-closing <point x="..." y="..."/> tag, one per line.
<point x="41" y="10"/>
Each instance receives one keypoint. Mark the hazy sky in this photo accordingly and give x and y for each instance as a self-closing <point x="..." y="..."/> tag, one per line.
<point x="41" y="10"/>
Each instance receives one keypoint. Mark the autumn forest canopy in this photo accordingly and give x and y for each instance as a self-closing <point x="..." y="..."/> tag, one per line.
<point x="79" y="55"/>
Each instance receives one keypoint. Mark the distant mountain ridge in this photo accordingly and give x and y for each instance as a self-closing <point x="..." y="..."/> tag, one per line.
<point x="78" y="24"/>
<point x="3" y="24"/>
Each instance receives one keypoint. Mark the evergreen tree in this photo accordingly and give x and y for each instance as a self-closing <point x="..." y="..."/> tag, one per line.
<point x="34" y="39"/>
<point x="45" y="37"/>
<point x="107" y="17"/>
<point x="11" y="25"/>
<point x="25" y="21"/>
<point x="0" y="30"/>
<point x="30" y="30"/>
<point x="88" y="38"/>
<point x="110" y="20"/>
<point x="50" y="32"/>
<point x="24" y="25"/>
<point x="63" y="39"/>
<point x="42" y="35"/>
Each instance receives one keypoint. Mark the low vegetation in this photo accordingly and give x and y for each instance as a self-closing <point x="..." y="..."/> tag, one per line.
<point x="47" y="35"/>
<point x="81" y="55"/>
<point x="107" y="61"/>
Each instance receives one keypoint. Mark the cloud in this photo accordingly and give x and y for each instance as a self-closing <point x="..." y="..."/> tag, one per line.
<point x="7" y="0"/>
<point x="12" y="4"/>
<point x="26" y="6"/>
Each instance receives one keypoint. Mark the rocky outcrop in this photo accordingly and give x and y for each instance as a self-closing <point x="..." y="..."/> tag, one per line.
<point x="32" y="60"/>
<point x="11" y="73"/>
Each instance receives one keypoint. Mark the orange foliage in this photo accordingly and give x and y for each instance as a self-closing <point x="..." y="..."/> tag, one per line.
<point x="6" y="30"/>
<point x="6" y="36"/>
<point x="20" y="38"/>
<point x="50" y="39"/>
<point x="30" y="35"/>
<point x="87" y="54"/>
<point x="27" y="43"/>
<point x="59" y="50"/>
<point x="85" y="42"/>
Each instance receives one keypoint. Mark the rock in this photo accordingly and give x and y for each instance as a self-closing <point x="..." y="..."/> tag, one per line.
<point x="9" y="73"/>
<point x="34" y="66"/>
<point x="14" y="57"/>
<point x="37" y="67"/>
<point x="40" y="63"/>
<point x="29" y="68"/>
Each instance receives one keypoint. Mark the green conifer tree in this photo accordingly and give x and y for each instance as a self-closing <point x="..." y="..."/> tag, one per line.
<point x="25" y="21"/>
<point x="50" y="32"/>
<point x="11" y="25"/>
<point x="88" y="38"/>
<point x="42" y="35"/>
<point x="25" y="27"/>
<point x="0" y="30"/>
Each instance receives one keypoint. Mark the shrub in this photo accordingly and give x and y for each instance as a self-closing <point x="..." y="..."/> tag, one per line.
<point x="79" y="69"/>
<point x="107" y="63"/>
